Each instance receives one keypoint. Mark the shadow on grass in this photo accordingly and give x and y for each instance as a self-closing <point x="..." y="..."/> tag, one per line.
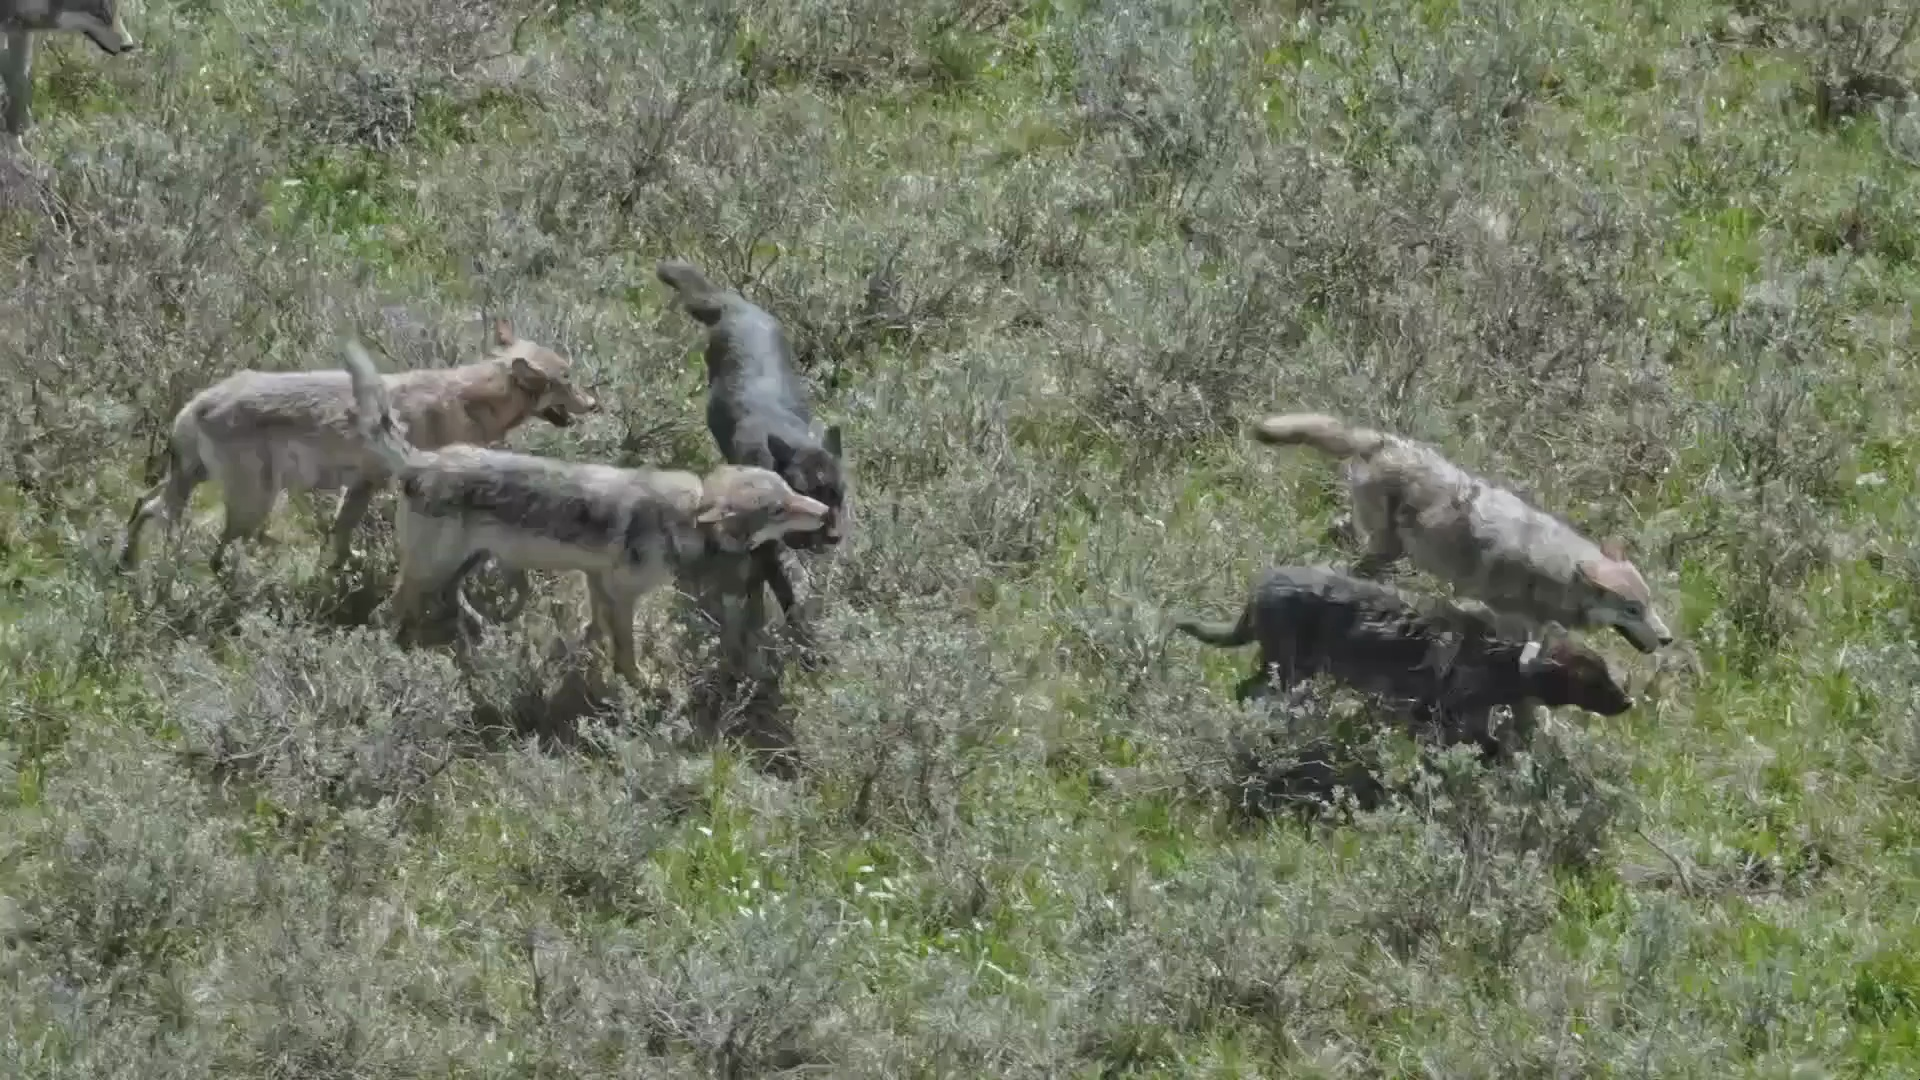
<point x="548" y="698"/>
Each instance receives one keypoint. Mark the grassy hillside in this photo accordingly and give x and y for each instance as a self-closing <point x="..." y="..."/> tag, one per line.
<point x="1654" y="263"/>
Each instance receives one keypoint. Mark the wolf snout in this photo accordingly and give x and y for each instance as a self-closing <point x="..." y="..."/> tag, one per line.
<point x="813" y="540"/>
<point x="1646" y="637"/>
<point x="110" y="38"/>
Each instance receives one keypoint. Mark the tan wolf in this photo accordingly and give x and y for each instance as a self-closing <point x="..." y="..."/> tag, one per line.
<point x="629" y="530"/>
<point x="99" y="20"/>
<point x="1484" y="540"/>
<point x="258" y="433"/>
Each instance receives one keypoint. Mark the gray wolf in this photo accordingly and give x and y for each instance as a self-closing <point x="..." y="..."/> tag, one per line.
<point x="629" y="530"/>
<point x="1450" y="661"/>
<point x="1484" y="540"/>
<point x="258" y="433"/>
<point x="758" y="414"/>
<point x="99" y="20"/>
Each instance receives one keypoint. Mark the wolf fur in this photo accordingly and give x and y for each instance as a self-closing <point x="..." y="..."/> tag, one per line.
<point x="629" y="530"/>
<point x="757" y="411"/>
<point x="259" y="433"/>
<point x="98" y="20"/>
<point x="1409" y="500"/>
<point x="1450" y="661"/>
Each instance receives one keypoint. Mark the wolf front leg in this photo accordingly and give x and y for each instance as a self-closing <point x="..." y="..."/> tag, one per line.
<point x="16" y="73"/>
<point x="613" y="602"/>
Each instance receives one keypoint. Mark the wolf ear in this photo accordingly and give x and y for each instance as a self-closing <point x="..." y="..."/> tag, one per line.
<point x="528" y="377"/>
<point x="503" y="333"/>
<point x="1553" y="644"/>
<point x="833" y="440"/>
<point x="782" y="451"/>
<point x="1607" y="576"/>
<point x="1614" y="549"/>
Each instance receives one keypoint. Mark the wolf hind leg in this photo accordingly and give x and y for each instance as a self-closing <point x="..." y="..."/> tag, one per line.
<point x="249" y="503"/>
<point x="16" y="80"/>
<point x="353" y="508"/>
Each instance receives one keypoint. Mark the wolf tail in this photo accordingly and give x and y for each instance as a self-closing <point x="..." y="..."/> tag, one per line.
<point x="373" y="411"/>
<point x="1224" y="635"/>
<point x="186" y="469"/>
<point x="1324" y="433"/>
<point x="703" y="300"/>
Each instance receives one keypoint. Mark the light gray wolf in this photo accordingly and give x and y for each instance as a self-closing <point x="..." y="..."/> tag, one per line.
<point x="629" y="530"/>
<point x="258" y="433"/>
<point x="1487" y="542"/>
<point x="99" y="20"/>
<point x="757" y="411"/>
<point x="1450" y="661"/>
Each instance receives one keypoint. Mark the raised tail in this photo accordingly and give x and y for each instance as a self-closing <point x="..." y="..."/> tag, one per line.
<point x="1224" y="635"/>
<point x="704" y="301"/>
<point x="373" y="411"/>
<point x="1320" y="431"/>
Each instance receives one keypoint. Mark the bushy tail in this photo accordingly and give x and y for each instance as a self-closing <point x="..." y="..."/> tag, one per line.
<point x="703" y="300"/>
<point x="185" y="469"/>
<point x="1224" y="635"/>
<point x="373" y="411"/>
<point x="1324" y="433"/>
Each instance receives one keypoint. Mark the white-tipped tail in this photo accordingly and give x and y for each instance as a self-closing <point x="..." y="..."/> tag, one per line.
<point x="373" y="410"/>
<point x="1324" y="433"/>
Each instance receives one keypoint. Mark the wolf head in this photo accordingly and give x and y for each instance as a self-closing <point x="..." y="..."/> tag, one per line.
<point x="742" y="507"/>
<point x="544" y="376"/>
<point x="1617" y="596"/>
<point x="817" y="472"/>
<point x="1564" y="672"/>
<point x="99" y="20"/>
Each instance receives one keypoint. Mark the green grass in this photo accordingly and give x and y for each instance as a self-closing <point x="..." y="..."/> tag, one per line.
<point x="1604" y="251"/>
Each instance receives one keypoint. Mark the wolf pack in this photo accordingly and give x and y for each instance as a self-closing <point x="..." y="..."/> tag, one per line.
<point x="1522" y="579"/>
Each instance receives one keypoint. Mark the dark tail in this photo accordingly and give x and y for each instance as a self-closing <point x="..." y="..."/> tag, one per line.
<point x="173" y="469"/>
<point x="183" y="471"/>
<point x="1224" y="635"/>
<point x="703" y="300"/>
<point x="373" y="411"/>
<point x="473" y="563"/>
<point x="1324" y="433"/>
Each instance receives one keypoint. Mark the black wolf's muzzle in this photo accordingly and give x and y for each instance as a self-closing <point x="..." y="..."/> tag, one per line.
<point x="817" y="540"/>
<point x="110" y="38"/>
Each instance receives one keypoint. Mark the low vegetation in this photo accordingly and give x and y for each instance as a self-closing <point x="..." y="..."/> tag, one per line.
<point x="1653" y="263"/>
